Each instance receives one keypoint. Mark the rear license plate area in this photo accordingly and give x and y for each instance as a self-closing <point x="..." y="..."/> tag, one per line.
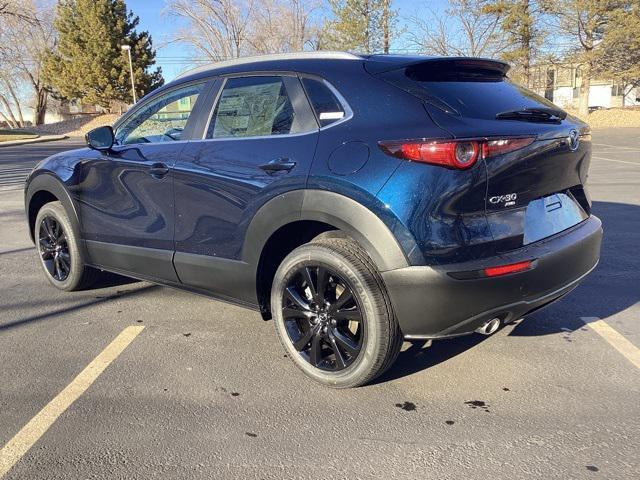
<point x="549" y="215"/>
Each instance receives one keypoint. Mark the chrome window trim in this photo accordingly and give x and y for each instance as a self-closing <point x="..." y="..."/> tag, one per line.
<point x="256" y="137"/>
<point x="120" y="148"/>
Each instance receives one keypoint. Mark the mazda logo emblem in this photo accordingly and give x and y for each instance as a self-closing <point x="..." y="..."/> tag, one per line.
<point x="574" y="140"/>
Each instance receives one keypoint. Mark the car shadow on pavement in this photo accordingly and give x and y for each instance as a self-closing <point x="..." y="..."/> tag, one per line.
<point x="17" y="250"/>
<point x="74" y="308"/>
<point x="611" y="288"/>
<point x="420" y="355"/>
<point x="108" y="279"/>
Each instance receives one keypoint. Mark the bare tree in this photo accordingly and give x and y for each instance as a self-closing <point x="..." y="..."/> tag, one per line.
<point x="385" y="20"/>
<point x="23" y="45"/>
<point x="10" y="103"/>
<point x="584" y="25"/>
<point x="464" y="29"/>
<point x="301" y="22"/>
<point x="216" y="29"/>
<point x="14" y="9"/>
<point x="221" y="29"/>
<point x="283" y="26"/>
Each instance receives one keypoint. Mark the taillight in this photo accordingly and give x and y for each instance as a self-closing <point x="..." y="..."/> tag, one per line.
<point x="500" y="146"/>
<point x="457" y="154"/>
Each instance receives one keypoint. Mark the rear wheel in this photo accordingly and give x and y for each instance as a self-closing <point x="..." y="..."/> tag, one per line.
<point x="57" y="244"/>
<point x="332" y="313"/>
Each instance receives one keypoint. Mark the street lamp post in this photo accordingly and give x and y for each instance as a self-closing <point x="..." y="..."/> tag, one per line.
<point x="127" y="48"/>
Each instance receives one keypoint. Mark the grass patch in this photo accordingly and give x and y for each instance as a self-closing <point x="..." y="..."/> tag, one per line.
<point x="9" y="135"/>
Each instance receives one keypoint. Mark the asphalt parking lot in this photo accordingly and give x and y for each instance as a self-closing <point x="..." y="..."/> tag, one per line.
<point x="204" y="390"/>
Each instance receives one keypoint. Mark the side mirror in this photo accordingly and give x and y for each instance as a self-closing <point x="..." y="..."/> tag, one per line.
<point x="100" y="138"/>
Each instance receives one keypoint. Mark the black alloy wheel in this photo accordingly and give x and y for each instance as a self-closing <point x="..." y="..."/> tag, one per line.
<point x="323" y="318"/>
<point x="54" y="248"/>
<point x="332" y="314"/>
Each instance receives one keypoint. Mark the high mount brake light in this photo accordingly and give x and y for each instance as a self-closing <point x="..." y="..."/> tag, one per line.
<point x="456" y="154"/>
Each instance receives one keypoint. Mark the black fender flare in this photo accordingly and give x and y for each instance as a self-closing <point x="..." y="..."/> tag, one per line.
<point x="47" y="182"/>
<point x="344" y="213"/>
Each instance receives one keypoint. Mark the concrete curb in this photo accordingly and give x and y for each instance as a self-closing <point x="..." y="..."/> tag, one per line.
<point x="46" y="138"/>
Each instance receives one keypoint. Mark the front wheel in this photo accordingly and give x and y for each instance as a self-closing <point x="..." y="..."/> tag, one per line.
<point x="332" y="313"/>
<point x="58" y="247"/>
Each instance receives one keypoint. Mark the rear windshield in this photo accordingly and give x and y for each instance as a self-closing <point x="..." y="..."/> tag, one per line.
<point x="469" y="93"/>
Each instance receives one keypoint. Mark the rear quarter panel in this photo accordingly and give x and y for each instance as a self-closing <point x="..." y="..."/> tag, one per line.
<point x="381" y="112"/>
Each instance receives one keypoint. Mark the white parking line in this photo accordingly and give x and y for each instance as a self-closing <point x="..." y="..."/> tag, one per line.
<point x="616" y="146"/>
<point x="20" y="444"/>
<point x="637" y="164"/>
<point x="615" y="339"/>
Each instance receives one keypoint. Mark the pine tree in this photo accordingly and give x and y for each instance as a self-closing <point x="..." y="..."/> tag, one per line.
<point x="360" y="25"/>
<point x="520" y="23"/>
<point x="88" y="63"/>
<point x="620" y="58"/>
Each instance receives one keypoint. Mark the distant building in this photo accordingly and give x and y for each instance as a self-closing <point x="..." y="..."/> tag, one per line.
<point x="59" y="111"/>
<point x="560" y="83"/>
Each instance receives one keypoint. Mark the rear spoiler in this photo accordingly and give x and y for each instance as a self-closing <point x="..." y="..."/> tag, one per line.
<point x="406" y="72"/>
<point x="376" y="64"/>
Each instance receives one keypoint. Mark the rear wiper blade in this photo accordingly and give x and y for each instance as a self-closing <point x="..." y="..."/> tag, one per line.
<point x="534" y="114"/>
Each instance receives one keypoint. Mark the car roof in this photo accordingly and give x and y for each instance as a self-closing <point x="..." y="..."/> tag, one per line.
<point x="376" y="63"/>
<point x="316" y="62"/>
<point x="272" y="61"/>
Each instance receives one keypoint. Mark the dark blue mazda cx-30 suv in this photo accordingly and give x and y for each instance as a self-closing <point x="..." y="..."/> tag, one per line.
<point x="358" y="200"/>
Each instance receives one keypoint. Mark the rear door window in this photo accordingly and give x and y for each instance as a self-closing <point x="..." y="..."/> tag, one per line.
<point x="326" y="105"/>
<point x="254" y="107"/>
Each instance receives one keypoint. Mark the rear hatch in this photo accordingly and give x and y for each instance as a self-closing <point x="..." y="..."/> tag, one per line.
<point x="532" y="192"/>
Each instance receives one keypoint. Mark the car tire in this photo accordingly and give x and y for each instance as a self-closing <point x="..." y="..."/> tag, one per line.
<point x="57" y="245"/>
<point x="365" y="321"/>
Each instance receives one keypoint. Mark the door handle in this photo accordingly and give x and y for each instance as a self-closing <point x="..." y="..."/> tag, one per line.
<point x="278" y="165"/>
<point x="158" y="170"/>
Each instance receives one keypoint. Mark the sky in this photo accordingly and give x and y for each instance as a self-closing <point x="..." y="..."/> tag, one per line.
<point x="174" y="58"/>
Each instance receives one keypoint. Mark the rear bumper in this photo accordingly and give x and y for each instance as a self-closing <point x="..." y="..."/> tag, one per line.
<point x="429" y="303"/>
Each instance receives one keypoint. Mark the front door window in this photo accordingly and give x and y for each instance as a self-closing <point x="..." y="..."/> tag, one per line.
<point x="161" y="120"/>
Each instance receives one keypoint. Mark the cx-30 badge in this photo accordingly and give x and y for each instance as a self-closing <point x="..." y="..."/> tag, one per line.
<point x="507" y="200"/>
<point x="574" y="140"/>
